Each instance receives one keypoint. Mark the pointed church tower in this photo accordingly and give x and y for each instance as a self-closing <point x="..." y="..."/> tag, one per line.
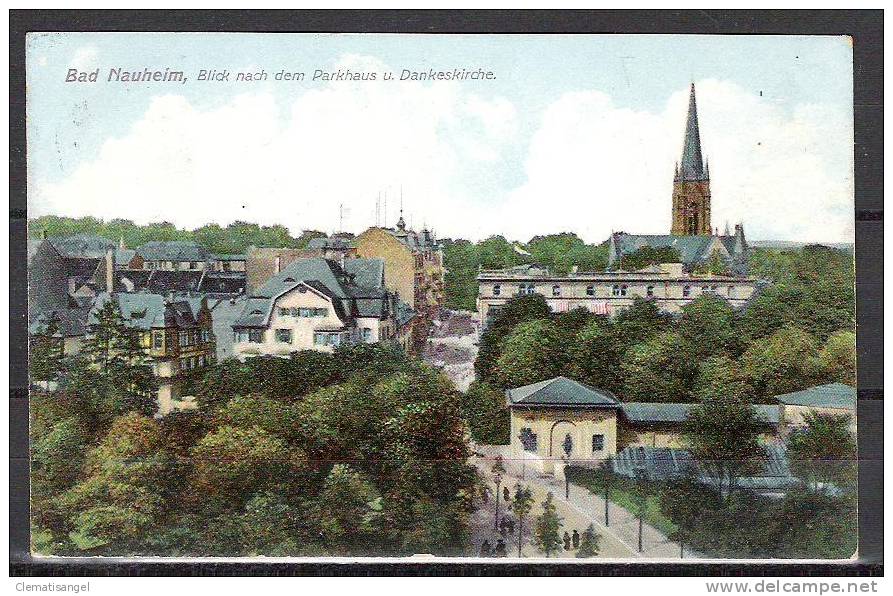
<point x="691" y="183"/>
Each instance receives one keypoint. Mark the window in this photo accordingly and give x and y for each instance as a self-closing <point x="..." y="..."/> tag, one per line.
<point x="649" y="291"/>
<point x="284" y="312"/>
<point x="497" y="290"/>
<point x="184" y="339"/>
<point x="367" y="334"/>
<point x="283" y="336"/>
<point x="528" y="439"/>
<point x="193" y="265"/>
<point x="556" y="290"/>
<point x="598" y="443"/>
<point x="320" y="312"/>
<point x="618" y="290"/>
<point x="705" y="289"/>
<point x="623" y="290"/>
<point x="158" y="339"/>
<point x="590" y="290"/>
<point x="686" y="291"/>
<point x="522" y="289"/>
<point x="320" y="339"/>
<point x="255" y="336"/>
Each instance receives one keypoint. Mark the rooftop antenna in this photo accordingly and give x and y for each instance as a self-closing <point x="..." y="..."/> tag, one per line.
<point x="377" y="208"/>
<point x="386" y="207"/>
<point x="340" y="217"/>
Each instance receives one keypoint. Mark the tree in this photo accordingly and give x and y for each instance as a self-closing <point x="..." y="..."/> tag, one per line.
<point x="594" y="356"/>
<point x="521" y="506"/>
<point x="519" y="309"/>
<point x="533" y="352"/>
<point x="658" y="370"/>
<point x="487" y="415"/>
<point x="349" y="511"/>
<point x="838" y="357"/>
<point x="129" y="481"/>
<point x="648" y="255"/>
<point x="45" y="354"/>
<point x="785" y="361"/>
<point x="708" y="327"/>
<point x="723" y="434"/>
<point x="825" y="451"/>
<point x="547" y="530"/>
<point x="589" y="543"/>
<point x="686" y="502"/>
<point x="721" y="375"/>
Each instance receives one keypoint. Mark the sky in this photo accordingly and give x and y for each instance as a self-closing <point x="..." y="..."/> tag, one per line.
<point x="574" y="133"/>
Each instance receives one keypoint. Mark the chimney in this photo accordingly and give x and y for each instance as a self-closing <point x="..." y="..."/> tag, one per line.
<point x="109" y="270"/>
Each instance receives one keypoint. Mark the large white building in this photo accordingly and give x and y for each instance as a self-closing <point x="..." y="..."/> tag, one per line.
<point x="607" y="292"/>
<point x="318" y="304"/>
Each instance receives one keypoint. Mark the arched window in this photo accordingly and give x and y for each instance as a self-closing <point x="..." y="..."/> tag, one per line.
<point x="497" y="290"/>
<point x="528" y="439"/>
<point x="556" y="290"/>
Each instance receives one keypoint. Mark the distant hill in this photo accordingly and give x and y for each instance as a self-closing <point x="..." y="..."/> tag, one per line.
<point x="788" y="245"/>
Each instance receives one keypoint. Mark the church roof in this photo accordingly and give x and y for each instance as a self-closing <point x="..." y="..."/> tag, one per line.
<point x="692" y="165"/>
<point x="561" y="391"/>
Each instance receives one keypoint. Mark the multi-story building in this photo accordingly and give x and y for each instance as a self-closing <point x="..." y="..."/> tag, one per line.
<point x="607" y="292"/>
<point x="318" y="304"/>
<point x="413" y="264"/>
<point x="176" y="335"/>
<point x="171" y="255"/>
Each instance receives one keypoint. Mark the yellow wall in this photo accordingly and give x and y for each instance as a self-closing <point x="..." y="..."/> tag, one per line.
<point x="552" y="425"/>
<point x="399" y="262"/>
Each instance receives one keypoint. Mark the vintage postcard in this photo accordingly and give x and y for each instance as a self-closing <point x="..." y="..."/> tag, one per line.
<point x="537" y="297"/>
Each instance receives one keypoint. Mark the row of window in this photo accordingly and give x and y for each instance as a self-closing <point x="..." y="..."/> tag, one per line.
<point x="189" y="337"/>
<point x="616" y="290"/>
<point x="323" y="338"/>
<point x="254" y="336"/>
<point x="195" y="362"/>
<point x="303" y="312"/>
<point x="528" y="440"/>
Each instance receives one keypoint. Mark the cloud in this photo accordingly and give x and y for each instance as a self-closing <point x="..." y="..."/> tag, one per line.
<point x="463" y="163"/>
<point x="84" y="58"/>
<point x="594" y="167"/>
<point x="258" y="160"/>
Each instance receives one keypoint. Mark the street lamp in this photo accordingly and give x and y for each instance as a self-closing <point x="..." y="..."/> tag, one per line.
<point x="568" y="445"/>
<point x="523" y="458"/>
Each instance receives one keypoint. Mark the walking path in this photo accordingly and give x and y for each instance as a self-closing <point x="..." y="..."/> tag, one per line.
<point x="619" y="540"/>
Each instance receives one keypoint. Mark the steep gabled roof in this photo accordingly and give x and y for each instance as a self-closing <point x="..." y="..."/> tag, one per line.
<point x="561" y="391"/>
<point x="832" y="395"/>
<point x="82" y="246"/>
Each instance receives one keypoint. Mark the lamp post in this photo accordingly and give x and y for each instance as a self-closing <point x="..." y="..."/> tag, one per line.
<point x="523" y="457"/>
<point x="497" y="472"/>
<point x="568" y="445"/>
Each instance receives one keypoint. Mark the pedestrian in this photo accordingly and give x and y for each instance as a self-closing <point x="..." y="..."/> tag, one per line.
<point x="505" y="494"/>
<point x="486" y="549"/>
<point x="567" y="541"/>
<point x="575" y="540"/>
<point x="500" y="548"/>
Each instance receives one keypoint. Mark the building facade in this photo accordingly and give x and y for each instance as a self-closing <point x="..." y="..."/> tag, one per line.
<point x="607" y="292"/>
<point x="176" y="335"/>
<point x="316" y="304"/>
<point x="413" y="264"/>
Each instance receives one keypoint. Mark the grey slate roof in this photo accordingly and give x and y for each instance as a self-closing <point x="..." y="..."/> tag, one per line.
<point x="164" y="282"/>
<point x="133" y="280"/>
<point x="220" y="283"/>
<point x="173" y="250"/>
<point x="228" y="257"/>
<point x="82" y="246"/>
<point x="70" y="322"/>
<point x="833" y="395"/>
<point x="368" y="273"/>
<point x="123" y="256"/>
<point x="147" y="311"/>
<point x="657" y="413"/>
<point x="692" y="165"/>
<point x="692" y="249"/>
<point x="327" y="277"/>
<point x="561" y="391"/>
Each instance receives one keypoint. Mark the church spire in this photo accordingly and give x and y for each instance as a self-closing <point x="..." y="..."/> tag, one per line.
<point x="692" y="167"/>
